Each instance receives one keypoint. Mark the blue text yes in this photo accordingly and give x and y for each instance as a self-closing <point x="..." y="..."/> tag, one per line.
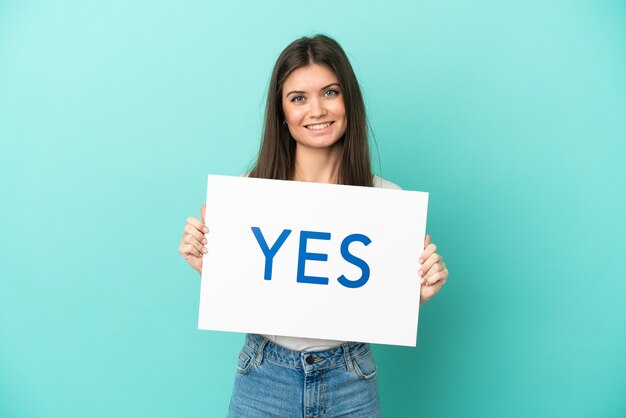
<point x="303" y="256"/>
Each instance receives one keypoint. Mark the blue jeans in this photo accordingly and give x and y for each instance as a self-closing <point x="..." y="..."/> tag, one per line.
<point x="273" y="381"/>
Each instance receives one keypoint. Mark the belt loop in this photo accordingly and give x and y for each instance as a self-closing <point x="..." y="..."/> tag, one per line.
<point x="259" y="354"/>
<point x="347" y="356"/>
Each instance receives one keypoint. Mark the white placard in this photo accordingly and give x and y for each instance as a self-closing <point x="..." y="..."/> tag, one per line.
<point x="258" y="277"/>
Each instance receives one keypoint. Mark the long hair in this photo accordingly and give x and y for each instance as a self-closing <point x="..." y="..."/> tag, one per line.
<point x="277" y="152"/>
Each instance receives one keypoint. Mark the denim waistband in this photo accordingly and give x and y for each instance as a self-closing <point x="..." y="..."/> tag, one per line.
<point x="343" y="355"/>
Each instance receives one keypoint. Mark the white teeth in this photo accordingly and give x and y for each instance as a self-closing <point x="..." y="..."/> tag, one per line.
<point x="319" y="126"/>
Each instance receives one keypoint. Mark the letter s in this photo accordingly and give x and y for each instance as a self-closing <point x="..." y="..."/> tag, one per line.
<point x="365" y="268"/>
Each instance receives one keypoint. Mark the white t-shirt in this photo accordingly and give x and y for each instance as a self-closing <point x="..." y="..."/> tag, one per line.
<point x="314" y="344"/>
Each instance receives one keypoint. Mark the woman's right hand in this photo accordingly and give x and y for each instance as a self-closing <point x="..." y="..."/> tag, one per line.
<point x="192" y="244"/>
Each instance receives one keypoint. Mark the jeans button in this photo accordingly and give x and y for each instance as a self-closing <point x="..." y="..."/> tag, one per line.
<point x="309" y="360"/>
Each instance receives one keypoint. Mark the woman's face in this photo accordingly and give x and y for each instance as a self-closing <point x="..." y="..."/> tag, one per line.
<point x="313" y="106"/>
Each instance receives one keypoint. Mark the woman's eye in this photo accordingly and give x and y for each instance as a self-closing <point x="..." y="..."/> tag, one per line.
<point x="331" y="93"/>
<point x="297" y="99"/>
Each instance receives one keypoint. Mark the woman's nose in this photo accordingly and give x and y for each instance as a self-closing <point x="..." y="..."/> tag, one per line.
<point x="317" y="108"/>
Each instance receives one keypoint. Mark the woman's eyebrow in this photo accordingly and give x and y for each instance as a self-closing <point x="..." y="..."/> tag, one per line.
<point x="323" y="88"/>
<point x="330" y="85"/>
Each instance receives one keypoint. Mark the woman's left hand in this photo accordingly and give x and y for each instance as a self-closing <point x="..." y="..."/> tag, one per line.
<point x="432" y="272"/>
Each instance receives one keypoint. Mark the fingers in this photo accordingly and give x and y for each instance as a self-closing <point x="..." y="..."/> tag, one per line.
<point x="431" y="266"/>
<point x="433" y="271"/>
<point x="190" y="244"/>
<point x="428" y="259"/>
<point x="428" y="251"/>
<point x="193" y="240"/>
<point x="194" y="232"/>
<point x="199" y="245"/>
<point x="437" y="277"/>
<point x="187" y="249"/>
<point x="200" y="226"/>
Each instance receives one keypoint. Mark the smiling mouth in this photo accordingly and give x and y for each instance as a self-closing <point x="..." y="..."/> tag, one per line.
<point x="318" y="126"/>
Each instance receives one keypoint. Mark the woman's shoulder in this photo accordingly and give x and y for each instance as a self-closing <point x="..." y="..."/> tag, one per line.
<point x="385" y="184"/>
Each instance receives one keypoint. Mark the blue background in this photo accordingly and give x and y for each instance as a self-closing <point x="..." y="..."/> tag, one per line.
<point x="511" y="114"/>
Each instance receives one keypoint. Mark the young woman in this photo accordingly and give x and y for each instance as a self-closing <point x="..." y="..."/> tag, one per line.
<point x="315" y="130"/>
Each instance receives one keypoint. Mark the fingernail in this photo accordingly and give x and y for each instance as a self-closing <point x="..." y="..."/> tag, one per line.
<point x="421" y="261"/>
<point x="206" y="229"/>
<point x="204" y="250"/>
<point x="422" y="281"/>
<point x="421" y="273"/>
<point x="204" y="241"/>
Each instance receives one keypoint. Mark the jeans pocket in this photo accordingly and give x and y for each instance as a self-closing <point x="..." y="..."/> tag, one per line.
<point x="243" y="362"/>
<point x="364" y="366"/>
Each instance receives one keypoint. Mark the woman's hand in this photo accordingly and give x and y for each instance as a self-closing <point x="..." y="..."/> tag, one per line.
<point x="192" y="244"/>
<point x="433" y="272"/>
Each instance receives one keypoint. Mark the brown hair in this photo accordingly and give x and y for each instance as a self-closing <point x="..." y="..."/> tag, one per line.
<point x="277" y="153"/>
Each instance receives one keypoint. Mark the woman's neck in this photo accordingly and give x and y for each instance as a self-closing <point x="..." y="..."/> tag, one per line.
<point x="318" y="165"/>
